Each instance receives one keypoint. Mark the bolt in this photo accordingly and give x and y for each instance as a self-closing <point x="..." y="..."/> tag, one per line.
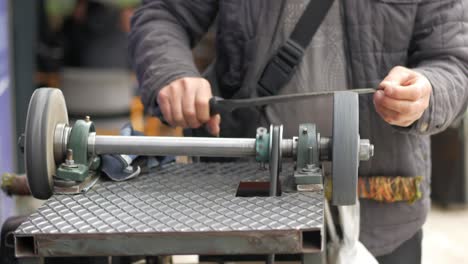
<point x="304" y="130"/>
<point x="69" y="162"/>
<point x="69" y="158"/>
<point x="261" y="131"/>
<point x="87" y="119"/>
<point x="310" y="155"/>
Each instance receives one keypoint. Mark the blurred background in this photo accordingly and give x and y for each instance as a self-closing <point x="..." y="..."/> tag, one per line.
<point x="80" y="46"/>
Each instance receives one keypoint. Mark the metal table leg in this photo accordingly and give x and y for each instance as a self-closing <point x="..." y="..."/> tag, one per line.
<point x="31" y="261"/>
<point x="315" y="258"/>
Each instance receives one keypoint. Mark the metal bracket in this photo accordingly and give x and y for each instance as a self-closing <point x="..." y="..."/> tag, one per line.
<point x="307" y="146"/>
<point x="78" y="144"/>
<point x="307" y="165"/>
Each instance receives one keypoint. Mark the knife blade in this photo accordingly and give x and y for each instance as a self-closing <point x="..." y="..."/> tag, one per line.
<point x="218" y="104"/>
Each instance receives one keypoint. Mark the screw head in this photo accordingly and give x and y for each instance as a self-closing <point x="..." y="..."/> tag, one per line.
<point x="304" y="130"/>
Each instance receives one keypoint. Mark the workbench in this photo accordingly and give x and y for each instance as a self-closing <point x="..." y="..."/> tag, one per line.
<point x="177" y="209"/>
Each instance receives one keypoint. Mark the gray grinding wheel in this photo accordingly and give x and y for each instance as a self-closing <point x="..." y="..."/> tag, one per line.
<point x="46" y="109"/>
<point x="345" y="150"/>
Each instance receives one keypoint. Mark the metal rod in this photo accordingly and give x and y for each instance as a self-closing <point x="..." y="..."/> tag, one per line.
<point x="217" y="103"/>
<point x="270" y="259"/>
<point x="177" y="146"/>
<point x="180" y="146"/>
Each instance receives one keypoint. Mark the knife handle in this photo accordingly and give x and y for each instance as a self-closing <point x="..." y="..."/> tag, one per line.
<point x="215" y="105"/>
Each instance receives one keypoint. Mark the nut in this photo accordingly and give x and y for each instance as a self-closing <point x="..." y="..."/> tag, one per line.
<point x="366" y="150"/>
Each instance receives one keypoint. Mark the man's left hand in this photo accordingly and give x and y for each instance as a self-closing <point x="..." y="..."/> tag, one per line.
<point x="402" y="96"/>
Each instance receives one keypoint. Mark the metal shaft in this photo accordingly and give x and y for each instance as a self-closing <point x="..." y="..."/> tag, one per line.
<point x="270" y="259"/>
<point x="178" y="146"/>
<point x="189" y="146"/>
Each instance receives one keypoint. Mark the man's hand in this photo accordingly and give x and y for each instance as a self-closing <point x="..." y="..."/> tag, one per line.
<point x="185" y="102"/>
<point x="403" y="96"/>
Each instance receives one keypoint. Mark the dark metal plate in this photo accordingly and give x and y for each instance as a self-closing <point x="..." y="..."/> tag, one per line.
<point x="345" y="151"/>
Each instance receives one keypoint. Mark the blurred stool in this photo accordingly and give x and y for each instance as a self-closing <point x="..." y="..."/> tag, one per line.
<point x="7" y="248"/>
<point x="103" y="94"/>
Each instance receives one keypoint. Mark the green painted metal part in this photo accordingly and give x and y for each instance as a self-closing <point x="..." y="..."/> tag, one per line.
<point x="306" y="179"/>
<point x="307" y="164"/>
<point x="75" y="173"/>
<point x="307" y="146"/>
<point x="78" y="142"/>
<point x="311" y="174"/>
<point x="262" y="147"/>
<point x="95" y="164"/>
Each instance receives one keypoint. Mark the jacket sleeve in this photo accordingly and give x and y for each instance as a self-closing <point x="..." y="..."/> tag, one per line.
<point x="439" y="50"/>
<point x="162" y="35"/>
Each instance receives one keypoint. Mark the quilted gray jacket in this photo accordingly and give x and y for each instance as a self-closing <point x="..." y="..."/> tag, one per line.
<point x="430" y="36"/>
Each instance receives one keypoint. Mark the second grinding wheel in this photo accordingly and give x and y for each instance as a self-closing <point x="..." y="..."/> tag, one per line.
<point x="46" y="110"/>
<point x="345" y="150"/>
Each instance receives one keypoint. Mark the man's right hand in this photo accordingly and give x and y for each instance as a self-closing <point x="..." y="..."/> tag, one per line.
<point x="185" y="102"/>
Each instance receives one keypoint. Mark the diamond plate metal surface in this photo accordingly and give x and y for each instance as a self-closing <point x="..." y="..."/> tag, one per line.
<point x="186" y="198"/>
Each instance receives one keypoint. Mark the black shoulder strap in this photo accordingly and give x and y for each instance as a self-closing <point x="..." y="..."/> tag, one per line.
<point x="282" y="66"/>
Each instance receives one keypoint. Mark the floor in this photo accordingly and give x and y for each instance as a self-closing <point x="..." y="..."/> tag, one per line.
<point x="446" y="236"/>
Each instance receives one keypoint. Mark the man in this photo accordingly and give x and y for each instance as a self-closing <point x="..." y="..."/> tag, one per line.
<point x="415" y="51"/>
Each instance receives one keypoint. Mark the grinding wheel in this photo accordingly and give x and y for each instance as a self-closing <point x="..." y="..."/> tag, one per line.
<point x="46" y="109"/>
<point x="345" y="150"/>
